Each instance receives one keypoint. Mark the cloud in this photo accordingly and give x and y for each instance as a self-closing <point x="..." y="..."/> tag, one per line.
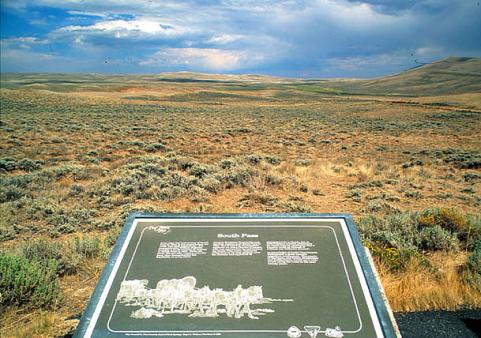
<point x="281" y="37"/>
<point x="202" y="58"/>
<point x="82" y="13"/>
<point x="122" y="28"/>
<point x="26" y="40"/>
<point x="223" y="39"/>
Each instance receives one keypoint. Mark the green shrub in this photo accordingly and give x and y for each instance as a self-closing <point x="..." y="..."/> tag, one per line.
<point x="377" y="205"/>
<point x="447" y="218"/>
<point x="111" y="238"/>
<point x="355" y="194"/>
<point x="8" y="164"/>
<point x="10" y="193"/>
<point x="43" y="252"/>
<point x="394" y="231"/>
<point x="474" y="261"/>
<point x="393" y="259"/>
<point x="472" y="176"/>
<point x="436" y="238"/>
<point x="227" y="163"/>
<point x="368" y="184"/>
<point x="273" y="159"/>
<point x="429" y="230"/>
<point x="471" y="270"/>
<point x="211" y="184"/>
<point x="200" y="170"/>
<point x="413" y="194"/>
<point x="25" y="282"/>
<point x="86" y="247"/>
<point x="240" y="175"/>
<point x="466" y="228"/>
<point x="30" y="165"/>
<point x="153" y="147"/>
<point x="76" y="190"/>
<point x="61" y="224"/>
<point x="256" y="199"/>
<point x="174" y="176"/>
<point x="254" y="158"/>
<point x="8" y="227"/>
<point x="463" y="159"/>
<point x="198" y="194"/>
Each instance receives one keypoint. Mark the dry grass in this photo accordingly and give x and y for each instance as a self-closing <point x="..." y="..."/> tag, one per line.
<point x="416" y="289"/>
<point x="362" y="155"/>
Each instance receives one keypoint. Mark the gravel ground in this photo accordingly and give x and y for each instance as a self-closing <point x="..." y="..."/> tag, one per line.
<point x="440" y="324"/>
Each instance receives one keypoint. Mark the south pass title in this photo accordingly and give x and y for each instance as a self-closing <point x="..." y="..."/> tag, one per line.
<point x="236" y="235"/>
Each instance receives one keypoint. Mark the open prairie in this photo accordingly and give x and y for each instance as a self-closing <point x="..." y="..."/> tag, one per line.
<point x="79" y="152"/>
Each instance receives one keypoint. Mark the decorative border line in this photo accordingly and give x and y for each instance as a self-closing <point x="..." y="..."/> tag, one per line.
<point x="373" y="298"/>
<point x="234" y="226"/>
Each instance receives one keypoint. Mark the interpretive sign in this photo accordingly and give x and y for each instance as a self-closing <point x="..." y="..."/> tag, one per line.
<point x="237" y="275"/>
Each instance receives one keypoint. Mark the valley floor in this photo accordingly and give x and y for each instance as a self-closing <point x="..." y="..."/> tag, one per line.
<point x="75" y="162"/>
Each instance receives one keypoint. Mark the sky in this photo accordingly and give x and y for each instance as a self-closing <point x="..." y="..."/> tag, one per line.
<point x="308" y="39"/>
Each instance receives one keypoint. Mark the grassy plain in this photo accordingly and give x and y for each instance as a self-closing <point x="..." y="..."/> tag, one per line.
<point x="79" y="152"/>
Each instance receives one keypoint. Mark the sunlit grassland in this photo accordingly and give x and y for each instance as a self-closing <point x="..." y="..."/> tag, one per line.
<point x="77" y="156"/>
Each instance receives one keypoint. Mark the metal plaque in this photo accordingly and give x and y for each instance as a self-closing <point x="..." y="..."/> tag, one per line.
<point x="237" y="275"/>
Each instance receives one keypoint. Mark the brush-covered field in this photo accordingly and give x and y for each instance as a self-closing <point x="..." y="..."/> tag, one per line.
<point x="79" y="152"/>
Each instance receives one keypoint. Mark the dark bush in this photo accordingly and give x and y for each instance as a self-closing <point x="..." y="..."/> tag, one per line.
<point x="30" y="165"/>
<point x="8" y="164"/>
<point x="273" y="159"/>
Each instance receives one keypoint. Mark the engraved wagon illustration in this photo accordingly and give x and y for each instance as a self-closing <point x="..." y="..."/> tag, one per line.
<point x="183" y="297"/>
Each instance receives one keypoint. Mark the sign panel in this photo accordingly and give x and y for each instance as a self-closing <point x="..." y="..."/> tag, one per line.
<point x="240" y="275"/>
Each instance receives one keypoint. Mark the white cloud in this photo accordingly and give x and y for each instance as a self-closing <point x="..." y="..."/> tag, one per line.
<point x="123" y="28"/>
<point x="82" y="13"/>
<point x="24" y="40"/>
<point x="224" y="39"/>
<point x="204" y="58"/>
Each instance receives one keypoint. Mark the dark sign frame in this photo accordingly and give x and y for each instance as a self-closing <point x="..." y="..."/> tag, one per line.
<point x="372" y="283"/>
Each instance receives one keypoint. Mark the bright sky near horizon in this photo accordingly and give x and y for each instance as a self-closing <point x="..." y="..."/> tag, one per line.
<point x="310" y="38"/>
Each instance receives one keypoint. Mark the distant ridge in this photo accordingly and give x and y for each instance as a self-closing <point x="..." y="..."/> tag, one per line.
<point x="454" y="75"/>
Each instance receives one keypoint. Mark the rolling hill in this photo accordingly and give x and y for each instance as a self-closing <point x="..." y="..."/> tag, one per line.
<point x="454" y="75"/>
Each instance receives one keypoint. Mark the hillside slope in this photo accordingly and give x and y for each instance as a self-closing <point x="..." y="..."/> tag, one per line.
<point x="454" y="75"/>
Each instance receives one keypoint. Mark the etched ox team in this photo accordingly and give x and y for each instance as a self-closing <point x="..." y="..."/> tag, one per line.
<point x="181" y="296"/>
